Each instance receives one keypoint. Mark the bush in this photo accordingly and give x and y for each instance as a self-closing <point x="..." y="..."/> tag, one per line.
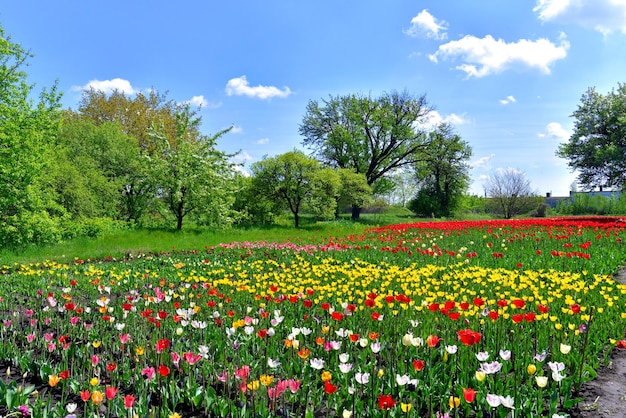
<point x="592" y="204"/>
<point x="28" y="228"/>
<point x="91" y="227"/>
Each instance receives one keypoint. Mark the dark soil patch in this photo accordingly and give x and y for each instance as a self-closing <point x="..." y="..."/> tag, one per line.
<point x="605" y="396"/>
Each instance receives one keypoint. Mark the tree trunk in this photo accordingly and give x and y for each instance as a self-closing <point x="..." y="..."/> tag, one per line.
<point x="356" y="212"/>
<point x="296" y="219"/>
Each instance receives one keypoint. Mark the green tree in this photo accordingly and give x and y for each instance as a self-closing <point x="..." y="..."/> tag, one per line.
<point x="597" y="148"/>
<point x="370" y="136"/>
<point x="353" y="190"/>
<point x="26" y="210"/>
<point x="291" y="180"/>
<point x="136" y="115"/>
<point x="442" y="173"/>
<point x="190" y="174"/>
<point x="91" y="167"/>
<point x="250" y="205"/>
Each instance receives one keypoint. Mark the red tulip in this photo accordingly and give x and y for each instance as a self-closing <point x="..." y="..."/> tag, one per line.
<point x="129" y="401"/>
<point x="469" y="395"/>
<point x="110" y="392"/>
<point x="386" y="402"/>
<point x="329" y="388"/>
<point x="164" y="370"/>
<point x="418" y="365"/>
<point x="469" y="337"/>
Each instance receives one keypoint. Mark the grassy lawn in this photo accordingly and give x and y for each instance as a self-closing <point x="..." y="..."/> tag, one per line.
<point x="137" y="241"/>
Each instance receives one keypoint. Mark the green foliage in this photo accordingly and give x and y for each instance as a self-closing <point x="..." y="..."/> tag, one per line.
<point x="326" y="185"/>
<point x="354" y="190"/>
<point x="190" y="174"/>
<point x="442" y="173"/>
<point x="471" y="206"/>
<point x="25" y="132"/>
<point x="90" y="227"/>
<point x="597" y="147"/>
<point x="91" y="166"/>
<point x="369" y="136"/>
<point x="592" y="204"/>
<point x="252" y="207"/>
<point x="292" y="180"/>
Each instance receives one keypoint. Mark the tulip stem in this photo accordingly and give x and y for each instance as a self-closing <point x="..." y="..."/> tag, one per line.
<point x="582" y="359"/>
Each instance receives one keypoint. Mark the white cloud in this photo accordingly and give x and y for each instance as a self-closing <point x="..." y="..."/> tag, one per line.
<point x="236" y="129"/>
<point x="554" y="130"/>
<point x="242" y="157"/>
<point x="604" y="16"/>
<point x="241" y="87"/>
<point x="486" y="56"/>
<point x="198" y="101"/>
<point x="263" y="141"/>
<point x="108" y="86"/>
<point x="434" y="119"/>
<point x="201" y="102"/>
<point x="509" y="99"/>
<point x="425" y="24"/>
<point x="483" y="162"/>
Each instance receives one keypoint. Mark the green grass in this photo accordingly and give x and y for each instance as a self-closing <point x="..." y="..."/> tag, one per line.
<point x="141" y="241"/>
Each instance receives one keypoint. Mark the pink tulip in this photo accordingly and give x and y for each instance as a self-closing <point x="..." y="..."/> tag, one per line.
<point x="149" y="372"/>
<point x="294" y="385"/>
<point x="242" y="373"/>
<point x="95" y="360"/>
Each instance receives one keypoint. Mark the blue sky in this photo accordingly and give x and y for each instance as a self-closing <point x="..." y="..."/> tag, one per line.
<point x="507" y="74"/>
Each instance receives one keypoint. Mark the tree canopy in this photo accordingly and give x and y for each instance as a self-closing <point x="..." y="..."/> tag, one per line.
<point x="292" y="180"/>
<point x="371" y="136"/>
<point x="442" y="173"/>
<point x="190" y="174"/>
<point x="26" y="129"/>
<point x="597" y="148"/>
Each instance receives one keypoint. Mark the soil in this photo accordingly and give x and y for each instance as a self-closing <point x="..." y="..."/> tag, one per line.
<point x="605" y="396"/>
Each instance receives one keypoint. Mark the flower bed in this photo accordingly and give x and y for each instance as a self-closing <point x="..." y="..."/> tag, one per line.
<point x="432" y="319"/>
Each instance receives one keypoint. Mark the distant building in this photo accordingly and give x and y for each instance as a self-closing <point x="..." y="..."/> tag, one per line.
<point x="552" y="201"/>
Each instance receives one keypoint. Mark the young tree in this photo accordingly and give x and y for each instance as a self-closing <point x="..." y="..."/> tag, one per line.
<point x="597" y="148"/>
<point x="26" y="209"/>
<point x="190" y="174"/>
<point x="510" y="192"/>
<point x="291" y="180"/>
<point x="353" y="190"/>
<point x="370" y="136"/>
<point x="442" y="173"/>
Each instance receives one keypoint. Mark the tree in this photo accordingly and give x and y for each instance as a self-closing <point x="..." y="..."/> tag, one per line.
<point x="442" y="173"/>
<point x="510" y="192"/>
<point x="190" y="174"/>
<point x="597" y="148"/>
<point x="291" y="180"/>
<point x="353" y="190"/>
<point x="370" y="136"/>
<point x="26" y="210"/>
<point x="92" y="164"/>
<point x="136" y="115"/>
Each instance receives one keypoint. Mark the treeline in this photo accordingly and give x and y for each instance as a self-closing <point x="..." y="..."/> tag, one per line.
<point x="120" y="160"/>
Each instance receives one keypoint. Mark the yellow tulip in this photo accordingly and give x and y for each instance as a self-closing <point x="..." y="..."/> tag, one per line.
<point x="53" y="380"/>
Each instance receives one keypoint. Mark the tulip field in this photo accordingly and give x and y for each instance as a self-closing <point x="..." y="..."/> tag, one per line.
<point x="434" y="319"/>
